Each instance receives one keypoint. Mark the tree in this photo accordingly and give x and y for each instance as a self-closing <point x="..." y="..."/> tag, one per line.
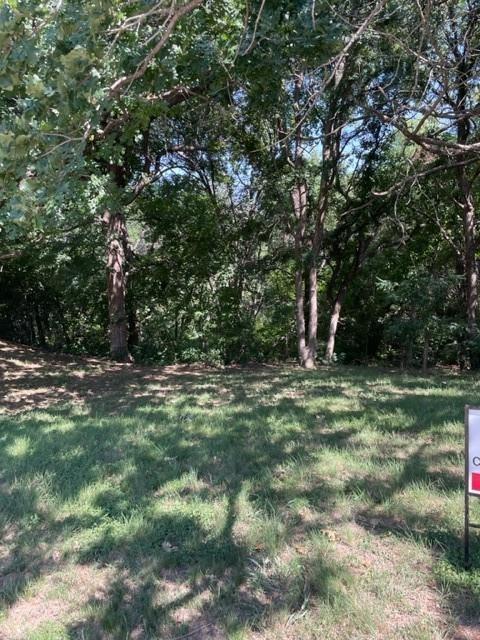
<point x="436" y="107"/>
<point x="107" y="76"/>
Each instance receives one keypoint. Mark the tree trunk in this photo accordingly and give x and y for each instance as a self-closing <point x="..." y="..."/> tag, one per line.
<point x="31" y="325"/>
<point x="330" y="157"/>
<point x="59" y="313"/>
<point x="426" y="347"/>
<point x="465" y="58"/>
<point x="332" y="330"/>
<point x="117" y="240"/>
<point x="299" y="199"/>
<point x="471" y="269"/>
<point x="40" y="328"/>
<point x="312" y="318"/>
<point x="300" y="315"/>
<point x="340" y="297"/>
<point x="307" y="347"/>
<point x="306" y="299"/>
<point x="305" y="276"/>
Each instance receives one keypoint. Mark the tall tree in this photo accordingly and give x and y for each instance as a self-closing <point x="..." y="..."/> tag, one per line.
<point x="436" y="107"/>
<point x="114" y="67"/>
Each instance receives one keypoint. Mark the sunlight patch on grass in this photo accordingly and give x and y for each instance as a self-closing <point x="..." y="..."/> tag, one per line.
<point x="258" y="504"/>
<point x="19" y="447"/>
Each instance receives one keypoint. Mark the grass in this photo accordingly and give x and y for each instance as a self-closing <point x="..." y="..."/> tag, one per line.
<point x="241" y="504"/>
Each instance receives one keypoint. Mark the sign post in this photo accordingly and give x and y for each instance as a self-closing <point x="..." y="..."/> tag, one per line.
<point x="472" y="470"/>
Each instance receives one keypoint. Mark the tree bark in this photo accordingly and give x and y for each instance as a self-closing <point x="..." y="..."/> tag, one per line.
<point x="330" y="158"/>
<point x="42" y="341"/>
<point x="471" y="269"/>
<point x="426" y="347"/>
<point x="312" y="317"/>
<point x="117" y="241"/>
<point x="299" y="199"/>
<point x="332" y="330"/>
<point x="358" y="260"/>
<point x="467" y="205"/>
<point x="300" y="315"/>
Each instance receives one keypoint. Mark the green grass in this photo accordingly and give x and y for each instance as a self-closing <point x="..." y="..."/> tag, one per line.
<point x="269" y="503"/>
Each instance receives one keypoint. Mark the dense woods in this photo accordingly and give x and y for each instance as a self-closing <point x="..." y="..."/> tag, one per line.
<point x="228" y="181"/>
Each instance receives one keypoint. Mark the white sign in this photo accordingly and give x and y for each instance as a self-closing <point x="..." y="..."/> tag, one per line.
<point x="473" y="445"/>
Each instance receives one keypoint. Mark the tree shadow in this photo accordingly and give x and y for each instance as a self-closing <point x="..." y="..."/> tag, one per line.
<point x="134" y="434"/>
<point x="134" y="455"/>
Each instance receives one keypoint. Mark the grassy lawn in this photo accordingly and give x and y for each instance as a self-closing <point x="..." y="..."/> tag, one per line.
<point x="242" y="504"/>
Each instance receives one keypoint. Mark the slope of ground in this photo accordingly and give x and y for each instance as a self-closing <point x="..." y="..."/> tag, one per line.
<point x="243" y="504"/>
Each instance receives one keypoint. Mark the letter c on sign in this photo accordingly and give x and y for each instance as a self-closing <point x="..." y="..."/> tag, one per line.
<point x="476" y="461"/>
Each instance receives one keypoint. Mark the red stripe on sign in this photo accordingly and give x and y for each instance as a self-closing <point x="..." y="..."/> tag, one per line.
<point x="475" y="481"/>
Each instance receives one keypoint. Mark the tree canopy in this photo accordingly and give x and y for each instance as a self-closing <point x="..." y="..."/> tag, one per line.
<point x="241" y="180"/>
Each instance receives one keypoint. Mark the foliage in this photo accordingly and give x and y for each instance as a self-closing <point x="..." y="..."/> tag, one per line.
<point x="196" y="122"/>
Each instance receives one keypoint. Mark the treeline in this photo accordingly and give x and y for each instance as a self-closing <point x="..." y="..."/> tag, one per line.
<point x="230" y="181"/>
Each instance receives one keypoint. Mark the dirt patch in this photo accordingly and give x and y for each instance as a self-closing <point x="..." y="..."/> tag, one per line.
<point x="465" y="632"/>
<point x="57" y="597"/>
<point x="34" y="379"/>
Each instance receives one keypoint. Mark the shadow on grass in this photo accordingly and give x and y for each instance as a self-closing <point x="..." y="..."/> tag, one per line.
<point x="137" y="436"/>
<point x="50" y="459"/>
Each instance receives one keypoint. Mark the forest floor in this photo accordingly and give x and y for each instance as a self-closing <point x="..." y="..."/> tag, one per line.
<point x="248" y="504"/>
